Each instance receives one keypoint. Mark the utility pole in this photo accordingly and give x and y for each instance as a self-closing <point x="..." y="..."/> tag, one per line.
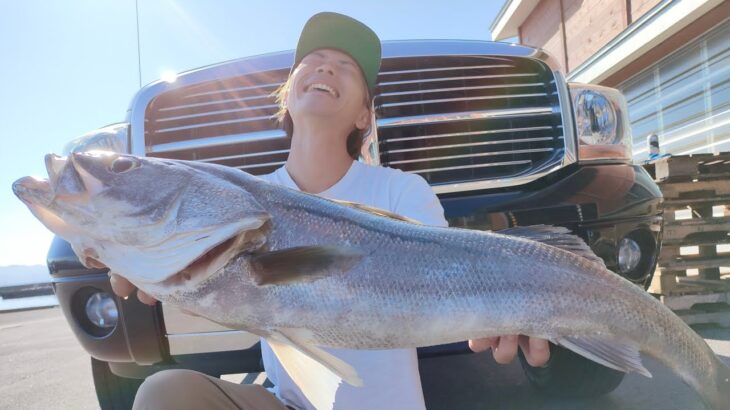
<point x="139" y="52"/>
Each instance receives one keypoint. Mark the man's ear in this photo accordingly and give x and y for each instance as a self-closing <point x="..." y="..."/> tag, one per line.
<point x="363" y="119"/>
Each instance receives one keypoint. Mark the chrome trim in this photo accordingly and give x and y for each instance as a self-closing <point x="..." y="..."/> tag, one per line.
<point x="214" y="123"/>
<point x="479" y="48"/>
<point x="177" y="321"/>
<point x="370" y="151"/>
<point x="566" y="112"/>
<point x="207" y="342"/>
<point x="206" y="113"/>
<point x="494" y="183"/>
<point x="229" y="90"/>
<point x="462" y="116"/>
<point x="471" y="155"/>
<point x="605" y="161"/>
<point x="438" y="90"/>
<point x="493" y="164"/>
<point x="569" y="157"/>
<point x="483" y="97"/>
<point x="253" y="154"/>
<point x="216" y="141"/>
<point x="472" y="144"/>
<point x="283" y="61"/>
<point x="203" y="104"/>
<point x="457" y="134"/>
<point x="188" y="334"/>
<point x="470" y="77"/>
<point x="428" y="70"/>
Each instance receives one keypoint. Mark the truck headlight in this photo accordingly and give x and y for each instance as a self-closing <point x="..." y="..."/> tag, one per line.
<point x="629" y="255"/>
<point x="602" y="123"/>
<point x="110" y="138"/>
<point x="101" y="310"/>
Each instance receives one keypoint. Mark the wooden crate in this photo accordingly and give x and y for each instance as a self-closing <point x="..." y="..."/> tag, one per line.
<point x="713" y="308"/>
<point x="697" y="183"/>
<point x="688" y="167"/>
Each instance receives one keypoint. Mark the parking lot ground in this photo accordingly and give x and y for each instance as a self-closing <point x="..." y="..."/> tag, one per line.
<point x="43" y="366"/>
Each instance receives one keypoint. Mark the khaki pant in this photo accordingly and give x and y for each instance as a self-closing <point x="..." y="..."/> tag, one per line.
<point x="187" y="389"/>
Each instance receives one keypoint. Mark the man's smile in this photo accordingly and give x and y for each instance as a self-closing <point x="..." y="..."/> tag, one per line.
<point x="321" y="87"/>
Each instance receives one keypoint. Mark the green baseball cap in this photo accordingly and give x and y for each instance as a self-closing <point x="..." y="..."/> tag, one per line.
<point x="343" y="33"/>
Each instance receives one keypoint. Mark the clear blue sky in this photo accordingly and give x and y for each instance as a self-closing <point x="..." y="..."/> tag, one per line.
<point x="70" y="66"/>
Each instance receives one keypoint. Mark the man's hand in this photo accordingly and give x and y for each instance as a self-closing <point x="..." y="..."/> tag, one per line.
<point x="504" y="348"/>
<point x="123" y="288"/>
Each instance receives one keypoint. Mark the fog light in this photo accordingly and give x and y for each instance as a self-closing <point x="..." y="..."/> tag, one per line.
<point x="101" y="310"/>
<point x="629" y="255"/>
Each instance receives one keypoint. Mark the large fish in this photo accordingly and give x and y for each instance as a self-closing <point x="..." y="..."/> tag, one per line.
<point x="305" y="272"/>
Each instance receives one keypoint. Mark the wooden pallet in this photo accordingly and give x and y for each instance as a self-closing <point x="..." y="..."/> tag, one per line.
<point x="689" y="167"/>
<point x="701" y="309"/>
<point x="696" y="182"/>
<point x="704" y="234"/>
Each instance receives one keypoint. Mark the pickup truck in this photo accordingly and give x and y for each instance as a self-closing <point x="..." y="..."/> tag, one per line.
<point x="494" y="128"/>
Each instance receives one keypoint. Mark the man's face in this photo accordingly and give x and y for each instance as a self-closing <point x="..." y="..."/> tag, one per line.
<point x="328" y="83"/>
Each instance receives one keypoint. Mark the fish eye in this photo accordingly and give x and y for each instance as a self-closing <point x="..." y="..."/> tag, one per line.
<point x="123" y="164"/>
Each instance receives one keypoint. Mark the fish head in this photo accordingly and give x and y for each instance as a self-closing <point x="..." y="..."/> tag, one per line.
<point x="146" y="219"/>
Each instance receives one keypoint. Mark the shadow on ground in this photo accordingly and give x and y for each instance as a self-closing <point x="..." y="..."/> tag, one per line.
<point x="477" y="382"/>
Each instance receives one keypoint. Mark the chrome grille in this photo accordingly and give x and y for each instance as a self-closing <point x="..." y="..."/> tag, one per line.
<point x="226" y="121"/>
<point x="455" y="120"/>
<point x="459" y="119"/>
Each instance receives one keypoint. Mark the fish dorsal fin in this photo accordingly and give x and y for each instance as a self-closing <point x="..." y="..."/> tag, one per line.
<point x="556" y="236"/>
<point x="610" y="353"/>
<point x="317" y="373"/>
<point x="376" y="211"/>
<point x="302" y="264"/>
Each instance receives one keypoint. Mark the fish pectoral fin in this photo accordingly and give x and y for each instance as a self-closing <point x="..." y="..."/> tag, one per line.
<point x="317" y="373"/>
<point x="302" y="264"/>
<point x="556" y="236"/>
<point x="624" y="357"/>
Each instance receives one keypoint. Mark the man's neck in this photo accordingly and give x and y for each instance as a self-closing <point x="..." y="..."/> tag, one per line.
<point x="318" y="158"/>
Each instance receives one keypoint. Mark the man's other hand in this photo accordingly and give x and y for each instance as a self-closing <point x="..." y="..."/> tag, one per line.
<point x="123" y="288"/>
<point x="504" y="348"/>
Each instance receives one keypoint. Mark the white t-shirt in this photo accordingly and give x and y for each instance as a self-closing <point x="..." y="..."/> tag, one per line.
<point x="391" y="378"/>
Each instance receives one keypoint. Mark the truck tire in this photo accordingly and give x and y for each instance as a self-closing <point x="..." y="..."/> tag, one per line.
<point x="112" y="391"/>
<point x="570" y="375"/>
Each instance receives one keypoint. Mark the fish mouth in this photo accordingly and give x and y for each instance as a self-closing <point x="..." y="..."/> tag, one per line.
<point x="64" y="180"/>
<point x="54" y="165"/>
<point x="65" y="188"/>
<point x="38" y="196"/>
<point x="33" y="191"/>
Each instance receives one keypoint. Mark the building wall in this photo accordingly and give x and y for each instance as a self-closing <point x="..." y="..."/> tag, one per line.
<point x="573" y="30"/>
<point x="588" y="27"/>
<point x="543" y="28"/>
<point x="639" y="7"/>
<point x="684" y="98"/>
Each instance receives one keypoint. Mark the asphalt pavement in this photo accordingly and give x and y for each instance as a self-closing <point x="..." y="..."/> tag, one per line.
<point x="42" y="366"/>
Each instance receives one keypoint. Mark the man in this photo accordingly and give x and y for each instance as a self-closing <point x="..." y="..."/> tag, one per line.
<point x="326" y="110"/>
